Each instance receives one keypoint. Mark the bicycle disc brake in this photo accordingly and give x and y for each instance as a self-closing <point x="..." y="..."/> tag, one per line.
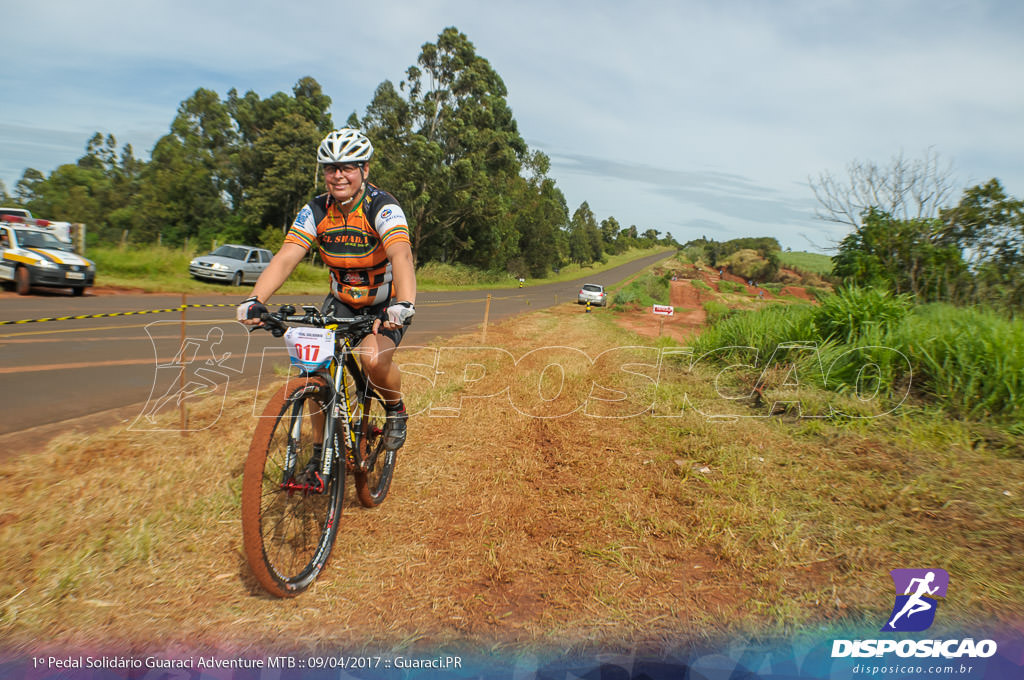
<point x="308" y="481"/>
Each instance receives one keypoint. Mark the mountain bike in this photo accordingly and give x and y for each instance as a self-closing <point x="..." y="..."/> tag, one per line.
<point x="317" y="429"/>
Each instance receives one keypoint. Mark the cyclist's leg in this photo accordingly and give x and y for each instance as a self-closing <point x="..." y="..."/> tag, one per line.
<point x="375" y="352"/>
<point x="376" y="356"/>
<point x="381" y="430"/>
<point x="382" y="422"/>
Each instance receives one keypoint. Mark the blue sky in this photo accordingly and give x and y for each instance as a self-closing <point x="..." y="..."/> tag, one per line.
<point x="693" y="117"/>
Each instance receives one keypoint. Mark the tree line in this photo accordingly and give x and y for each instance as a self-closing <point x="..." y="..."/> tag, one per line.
<point x="908" y="237"/>
<point x="239" y="169"/>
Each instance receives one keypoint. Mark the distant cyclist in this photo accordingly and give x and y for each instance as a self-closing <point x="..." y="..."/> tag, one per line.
<point x="363" y="237"/>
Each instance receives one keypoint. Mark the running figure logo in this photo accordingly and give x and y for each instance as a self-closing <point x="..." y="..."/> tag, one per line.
<point x="914" y="609"/>
<point x="201" y="367"/>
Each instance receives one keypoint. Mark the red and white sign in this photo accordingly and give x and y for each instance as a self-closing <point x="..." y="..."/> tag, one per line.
<point x="667" y="310"/>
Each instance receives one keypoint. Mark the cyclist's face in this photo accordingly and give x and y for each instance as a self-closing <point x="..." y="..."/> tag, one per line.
<point x="344" y="180"/>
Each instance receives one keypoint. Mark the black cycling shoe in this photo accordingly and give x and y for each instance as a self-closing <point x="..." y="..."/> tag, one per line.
<point x="395" y="429"/>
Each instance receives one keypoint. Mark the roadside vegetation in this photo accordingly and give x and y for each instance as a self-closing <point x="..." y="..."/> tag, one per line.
<point x="731" y="288"/>
<point x="907" y="235"/>
<point x="864" y="343"/>
<point x="643" y="291"/>
<point x="859" y="342"/>
<point x="165" y="269"/>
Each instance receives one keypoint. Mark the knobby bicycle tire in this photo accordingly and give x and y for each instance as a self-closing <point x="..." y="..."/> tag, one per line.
<point x="373" y="484"/>
<point x="288" y="534"/>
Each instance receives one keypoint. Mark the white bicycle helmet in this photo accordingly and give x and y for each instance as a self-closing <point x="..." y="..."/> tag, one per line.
<point x="346" y="145"/>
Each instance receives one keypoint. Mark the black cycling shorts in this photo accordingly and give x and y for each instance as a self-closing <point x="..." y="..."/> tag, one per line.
<point x="335" y="307"/>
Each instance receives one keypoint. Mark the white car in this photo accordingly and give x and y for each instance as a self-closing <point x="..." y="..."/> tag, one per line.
<point x="234" y="263"/>
<point x="594" y="294"/>
<point x="31" y="255"/>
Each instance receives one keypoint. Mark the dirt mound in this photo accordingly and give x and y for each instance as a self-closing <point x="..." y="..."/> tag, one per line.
<point x="691" y="287"/>
<point x="689" y="315"/>
<point x="797" y="291"/>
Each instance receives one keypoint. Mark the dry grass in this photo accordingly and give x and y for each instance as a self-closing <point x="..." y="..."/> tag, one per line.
<point x="506" y="530"/>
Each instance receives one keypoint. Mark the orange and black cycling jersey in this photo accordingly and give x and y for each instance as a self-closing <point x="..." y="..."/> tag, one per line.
<point x="354" y="246"/>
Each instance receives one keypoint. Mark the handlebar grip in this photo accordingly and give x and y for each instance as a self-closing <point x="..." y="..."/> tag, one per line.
<point x="273" y="322"/>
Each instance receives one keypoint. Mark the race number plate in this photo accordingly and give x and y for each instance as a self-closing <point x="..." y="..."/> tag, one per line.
<point x="309" y="348"/>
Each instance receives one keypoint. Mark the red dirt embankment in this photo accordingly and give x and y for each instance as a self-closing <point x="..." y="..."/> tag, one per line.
<point x="689" y="300"/>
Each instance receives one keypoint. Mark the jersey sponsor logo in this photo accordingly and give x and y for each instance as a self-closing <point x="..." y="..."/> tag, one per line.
<point x="348" y="242"/>
<point x="389" y="218"/>
<point x="355" y="279"/>
<point x="305" y="215"/>
<point x="355" y="293"/>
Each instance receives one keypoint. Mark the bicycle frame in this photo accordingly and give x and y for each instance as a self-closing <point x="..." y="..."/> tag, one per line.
<point x="341" y="403"/>
<point x="342" y="406"/>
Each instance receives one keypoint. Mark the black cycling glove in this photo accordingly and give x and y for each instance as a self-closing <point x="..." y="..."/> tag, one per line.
<point x="251" y="308"/>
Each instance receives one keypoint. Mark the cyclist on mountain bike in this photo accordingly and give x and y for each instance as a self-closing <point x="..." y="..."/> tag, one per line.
<point x="363" y="237"/>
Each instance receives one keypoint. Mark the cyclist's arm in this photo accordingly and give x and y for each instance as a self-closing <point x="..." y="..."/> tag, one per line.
<point x="277" y="272"/>
<point x="403" y="272"/>
<point x="403" y="280"/>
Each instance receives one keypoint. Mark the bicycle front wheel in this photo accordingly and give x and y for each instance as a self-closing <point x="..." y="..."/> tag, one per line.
<point x="289" y="514"/>
<point x="372" y="484"/>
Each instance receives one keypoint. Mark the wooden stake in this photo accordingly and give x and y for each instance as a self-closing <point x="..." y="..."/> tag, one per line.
<point x="487" y="314"/>
<point x="181" y="391"/>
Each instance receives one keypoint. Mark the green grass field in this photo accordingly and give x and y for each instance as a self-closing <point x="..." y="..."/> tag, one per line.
<point x="809" y="262"/>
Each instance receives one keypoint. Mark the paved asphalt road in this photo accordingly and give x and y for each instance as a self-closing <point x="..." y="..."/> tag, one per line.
<point x="59" y="370"/>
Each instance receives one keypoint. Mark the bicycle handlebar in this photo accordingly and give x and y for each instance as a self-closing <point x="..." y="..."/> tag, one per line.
<point x="277" y="322"/>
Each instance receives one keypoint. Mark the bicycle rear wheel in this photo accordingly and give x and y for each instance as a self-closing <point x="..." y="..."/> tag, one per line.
<point x="372" y="484"/>
<point x="289" y="516"/>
